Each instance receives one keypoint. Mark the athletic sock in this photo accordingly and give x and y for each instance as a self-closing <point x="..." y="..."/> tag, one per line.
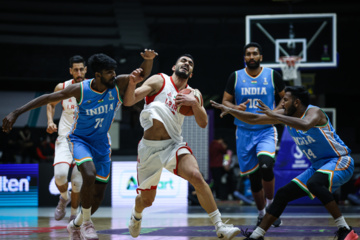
<point x="340" y="223"/>
<point x="86" y="214"/>
<point x="65" y="195"/>
<point x="258" y="232"/>
<point x="74" y="211"/>
<point x="136" y="214"/>
<point x="261" y="213"/>
<point x="79" y="219"/>
<point x="215" y="218"/>
<point x="269" y="202"/>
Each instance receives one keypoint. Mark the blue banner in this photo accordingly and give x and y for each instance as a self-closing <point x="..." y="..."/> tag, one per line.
<point x="19" y="185"/>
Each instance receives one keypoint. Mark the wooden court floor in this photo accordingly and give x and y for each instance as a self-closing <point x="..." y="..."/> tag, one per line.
<point x="174" y="222"/>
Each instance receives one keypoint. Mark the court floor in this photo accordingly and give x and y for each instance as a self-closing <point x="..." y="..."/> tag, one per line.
<point x="174" y="222"/>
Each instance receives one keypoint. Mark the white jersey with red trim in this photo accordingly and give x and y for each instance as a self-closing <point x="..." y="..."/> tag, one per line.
<point x="162" y="107"/>
<point x="67" y="116"/>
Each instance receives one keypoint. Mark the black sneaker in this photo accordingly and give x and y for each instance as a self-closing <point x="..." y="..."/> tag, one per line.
<point x="346" y="234"/>
<point x="247" y="234"/>
<point x="277" y="223"/>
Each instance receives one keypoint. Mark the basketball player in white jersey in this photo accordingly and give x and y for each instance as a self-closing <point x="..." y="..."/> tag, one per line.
<point x="63" y="157"/>
<point x="162" y="145"/>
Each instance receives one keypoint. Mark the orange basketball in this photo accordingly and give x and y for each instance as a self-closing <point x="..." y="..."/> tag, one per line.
<point x="187" y="110"/>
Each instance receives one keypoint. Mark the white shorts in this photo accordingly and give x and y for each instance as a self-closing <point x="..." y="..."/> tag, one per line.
<point x="62" y="152"/>
<point x="153" y="156"/>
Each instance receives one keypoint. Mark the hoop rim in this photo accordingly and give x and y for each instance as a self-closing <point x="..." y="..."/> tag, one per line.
<point x="296" y="59"/>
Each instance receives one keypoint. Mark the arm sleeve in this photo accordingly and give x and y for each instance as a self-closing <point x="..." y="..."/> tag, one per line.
<point x="230" y="85"/>
<point x="278" y="81"/>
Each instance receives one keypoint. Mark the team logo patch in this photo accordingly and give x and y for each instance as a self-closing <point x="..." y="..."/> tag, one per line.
<point x="111" y="96"/>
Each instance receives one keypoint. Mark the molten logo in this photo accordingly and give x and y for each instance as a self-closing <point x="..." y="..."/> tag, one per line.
<point x="14" y="185"/>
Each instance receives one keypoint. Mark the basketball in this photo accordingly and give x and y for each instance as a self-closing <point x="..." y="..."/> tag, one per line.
<point x="187" y="110"/>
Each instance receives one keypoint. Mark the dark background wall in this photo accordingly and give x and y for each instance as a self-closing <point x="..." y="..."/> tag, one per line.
<point x="38" y="37"/>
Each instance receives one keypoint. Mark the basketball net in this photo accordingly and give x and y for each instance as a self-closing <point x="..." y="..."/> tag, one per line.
<point x="289" y="66"/>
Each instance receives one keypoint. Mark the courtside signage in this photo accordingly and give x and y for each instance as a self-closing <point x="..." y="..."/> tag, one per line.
<point x="19" y="185"/>
<point x="170" y="190"/>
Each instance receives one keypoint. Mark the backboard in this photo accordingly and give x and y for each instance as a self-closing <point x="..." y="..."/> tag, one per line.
<point x="310" y="36"/>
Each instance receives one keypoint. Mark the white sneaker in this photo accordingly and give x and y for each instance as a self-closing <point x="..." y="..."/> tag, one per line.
<point x="60" y="209"/>
<point x="134" y="227"/>
<point x="227" y="231"/>
<point x="88" y="231"/>
<point x="74" y="231"/>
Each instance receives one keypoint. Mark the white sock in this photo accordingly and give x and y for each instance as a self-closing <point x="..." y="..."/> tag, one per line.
<point x="340" y="223"/>
<point x="258" y="232"/>
<point x="86" y="212"/>
<point x="269" y="202"/>
<point x="65" y="195"/>
<point x="74" y="211"/>
<point x="215" y="218"/>
<point x="137" y="215"/>
<point x="261" y="213"/>
<point x="79" y="219"/>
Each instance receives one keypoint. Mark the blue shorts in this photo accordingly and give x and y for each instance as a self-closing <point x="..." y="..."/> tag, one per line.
<point x="339" y="171"/>
<point x="84" y="151"/>
<point x="252" y="143"/>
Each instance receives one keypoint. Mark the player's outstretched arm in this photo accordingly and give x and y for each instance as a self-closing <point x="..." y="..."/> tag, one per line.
<point x="123" y="80"/>
<point x="313" y="117"/>
<point x="247" y="117"/>
<point x="71" y="91"/>
<point x="148" y="55"/>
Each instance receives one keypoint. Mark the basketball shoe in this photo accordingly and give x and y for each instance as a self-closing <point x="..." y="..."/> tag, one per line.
<point x="134" y="226"/>
<point x="60" y="210"/>
<point x="227" y="231"/>
<point x="88" y="231"/>
<point x="346" y="234"/>
<point x="74" y="231"/>
<point x="247" y="234"/>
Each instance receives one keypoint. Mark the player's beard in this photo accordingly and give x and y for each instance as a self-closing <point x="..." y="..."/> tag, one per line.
<point x="181" y="74"/>
<point x="290" y="110"/>
<point x="79" y="79"/>
<point x="253" y="65"/>
<point x="108" y="84"/>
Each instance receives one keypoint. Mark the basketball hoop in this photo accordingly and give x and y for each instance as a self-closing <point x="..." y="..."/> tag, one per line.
<point x="289" y="66"/>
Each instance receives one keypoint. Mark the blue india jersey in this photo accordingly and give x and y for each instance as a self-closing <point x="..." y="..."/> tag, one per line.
<point x="94" y="115"/>
<point x="254" y="88"/>
<point x="319" y="142"/>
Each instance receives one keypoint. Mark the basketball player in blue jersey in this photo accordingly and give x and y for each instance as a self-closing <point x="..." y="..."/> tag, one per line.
<point x="97" y="99"/>
<point x="331" y="163"/>
<point x="255" y="144"/>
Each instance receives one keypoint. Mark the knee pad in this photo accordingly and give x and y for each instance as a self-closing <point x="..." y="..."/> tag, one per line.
<point x="61" y="172"/>
<point x="318" y="185"/>
<point x="255" y="181"/>
<point x="266" y="165"/>
<point x="76" y="180"/>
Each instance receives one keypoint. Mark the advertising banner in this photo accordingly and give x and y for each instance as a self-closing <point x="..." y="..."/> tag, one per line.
<point x="19" y="185"/>
<point x="170" y="190"/>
